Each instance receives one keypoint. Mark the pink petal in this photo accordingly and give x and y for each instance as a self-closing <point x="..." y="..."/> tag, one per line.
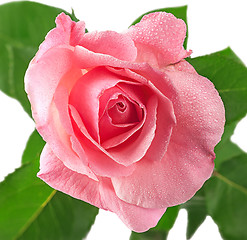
<point x="87" y="59"/>
<point x="188" y="162"/>
<point x="86" y="93"/>
<point x="136" y="218"/>
<point x="100" y="161"/>
<point x="67" y="33"/>
<point x="198" y="107"/>
<point x="159" y="39"/>
<point x="111" y="43"/>
<point x="123" y="111"/>
<point x="61" y="97"/>
<point x="41" y="81"/>
<point x="85" y="99"/>
<point x="165" y="111"/>
<point x="99" y="193"/>
<point x="58" y="176"/>
<point x="65" y="132"/>
<point x="116" y="135"/>
<point x="183" y="65"/>
<point x="111" y="134"/>
<point x="135" y="147"/>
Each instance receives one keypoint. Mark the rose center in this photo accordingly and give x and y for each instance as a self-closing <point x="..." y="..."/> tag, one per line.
<point x="123" y="111"/>
<point x="121" y="106"/>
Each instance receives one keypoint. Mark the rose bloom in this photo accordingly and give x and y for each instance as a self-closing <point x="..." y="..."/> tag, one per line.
<point x="129" y="125"/>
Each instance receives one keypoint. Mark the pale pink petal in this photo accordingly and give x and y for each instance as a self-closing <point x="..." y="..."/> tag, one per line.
<point x="159" y="39"/>
<point x="87" y="59"/>
<point x="57" y="64"/>
<point x="160" y="184"/>
<point x="183" y="65"/>
<point x="188" y="162"/>
<point x="111" y="43"/>
<point x="58" y="176"/>
<point x="67" y="33"/>
<point x="198" y="107"/>
<point x="136" y="218"/>
<point x="164" y="127"/>
<point x="42" y="79"/>
<point x="65" y="146"/>
<point x="61" y="97"/>
<point x="99" y="193"/>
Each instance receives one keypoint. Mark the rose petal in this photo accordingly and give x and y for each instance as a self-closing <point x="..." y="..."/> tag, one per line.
<point x="87" y="59"/>
<point x="58" y="176"/>
<point x="122" y="111"/>
<point x="116" y="135"/>
<point x="136" y="218"/>
<point x="66" y="132"/>
<point x="100" y="161"/>
<point x="85" y="97"/>
<point x="57" y="64"/>
<point x="99" y="193"/>
<point x="159" y="39"/>
<point x="135" y="147"/>
<point x="165" y="111"/>
<point x="183" y="65"/>
<point x="111" y="43"/>
<point x="61" y="97"/>
<point x="111" y="134"/>
<point x="198" y="107"/>
<point x="188" y="162"/>
<point x="40" y="88"/>
<point x="67" y="32"/>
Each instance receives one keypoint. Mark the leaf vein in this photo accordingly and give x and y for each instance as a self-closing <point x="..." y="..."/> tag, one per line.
<point x="35" y="215"/>
<point x="230" y="182"/>
<point x="232" y="90"/>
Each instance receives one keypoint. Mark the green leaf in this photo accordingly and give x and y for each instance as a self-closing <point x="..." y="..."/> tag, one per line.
<point x="23" y="27"/>
<point x="179" y="12"/>
<point x="34" y="148"/>
<point x="226" y="149"/>
<point x="160" y="232"/>
<point x="229" y="76"/>
<point x="197" y="212"/>
<point x="69" y="218"/>
<point x="226" y="197"/>
<point x="30" y="209"/>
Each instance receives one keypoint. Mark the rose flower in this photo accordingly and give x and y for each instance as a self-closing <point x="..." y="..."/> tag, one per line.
<point x="129" y="125"/>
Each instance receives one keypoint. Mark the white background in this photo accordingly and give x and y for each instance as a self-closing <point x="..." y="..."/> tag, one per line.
<point x="213" y="25"/>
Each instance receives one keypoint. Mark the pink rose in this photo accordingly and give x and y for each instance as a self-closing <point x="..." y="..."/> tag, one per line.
<point x="130" y="126"/>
